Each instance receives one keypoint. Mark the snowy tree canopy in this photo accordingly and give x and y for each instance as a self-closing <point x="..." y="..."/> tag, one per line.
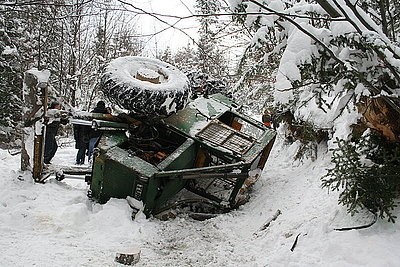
<point x="335" y="56"/>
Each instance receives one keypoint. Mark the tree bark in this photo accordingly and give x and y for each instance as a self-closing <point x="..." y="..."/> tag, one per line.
<point x="329" y="9"/>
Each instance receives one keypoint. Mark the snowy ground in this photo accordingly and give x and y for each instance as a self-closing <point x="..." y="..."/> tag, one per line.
<point x="54" y="224"/>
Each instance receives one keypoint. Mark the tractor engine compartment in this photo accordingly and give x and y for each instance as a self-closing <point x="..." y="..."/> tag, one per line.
<point x="152" y="143"/>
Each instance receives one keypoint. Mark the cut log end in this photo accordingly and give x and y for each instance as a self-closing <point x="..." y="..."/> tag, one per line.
<point x="128" y="258"/>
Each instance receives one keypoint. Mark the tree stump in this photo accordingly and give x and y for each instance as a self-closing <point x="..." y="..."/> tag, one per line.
<point x="130" y="257"/>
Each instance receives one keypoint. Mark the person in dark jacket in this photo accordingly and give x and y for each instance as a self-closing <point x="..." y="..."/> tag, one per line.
<point x="50" y="143"/>
<point x="267" y="118"/>
<point x="94" y="135"/>
<point x="81" y="136"/>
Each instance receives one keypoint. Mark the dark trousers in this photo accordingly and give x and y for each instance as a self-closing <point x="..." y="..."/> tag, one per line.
<point x="50" y="147"/>
<point x="80" y="157"/>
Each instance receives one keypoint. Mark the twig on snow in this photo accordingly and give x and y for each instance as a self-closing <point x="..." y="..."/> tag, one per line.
<point x="267" y="223"/>
<point x="360" y="226"/>
<point x="295" y="243"/>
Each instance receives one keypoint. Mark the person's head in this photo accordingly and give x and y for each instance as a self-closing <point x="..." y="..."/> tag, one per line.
<point x="55" y="105"/>
<point x="101" y="104"/>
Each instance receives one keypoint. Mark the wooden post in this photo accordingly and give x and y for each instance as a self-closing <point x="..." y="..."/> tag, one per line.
<point x="33" y="128"/>
<point x="37" y="157"/>
<point x="39" y="139"/>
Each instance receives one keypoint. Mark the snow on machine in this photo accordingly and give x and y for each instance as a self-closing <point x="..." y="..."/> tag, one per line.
<point x="168" y="153"/>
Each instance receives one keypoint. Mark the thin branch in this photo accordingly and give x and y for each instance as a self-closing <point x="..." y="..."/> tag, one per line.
<point x="39" y="3"/>
<point x="154" y="15"/>
<point x="373" y="221"/>
<point x="295" y="243"/>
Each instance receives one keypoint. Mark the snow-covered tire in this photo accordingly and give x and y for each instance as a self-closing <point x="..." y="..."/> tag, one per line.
<point x="145" y="86"/>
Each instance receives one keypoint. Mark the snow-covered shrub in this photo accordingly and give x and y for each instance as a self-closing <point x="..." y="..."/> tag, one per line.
<point x="368" y="172"/>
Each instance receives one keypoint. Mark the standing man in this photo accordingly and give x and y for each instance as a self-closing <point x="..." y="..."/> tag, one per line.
<point x="81" y="136"/>
<point x="94" y="135"/>
<point x="50" y="143"/>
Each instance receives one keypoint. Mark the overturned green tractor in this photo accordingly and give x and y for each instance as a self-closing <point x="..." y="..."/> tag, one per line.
<point x="202" y="158"/>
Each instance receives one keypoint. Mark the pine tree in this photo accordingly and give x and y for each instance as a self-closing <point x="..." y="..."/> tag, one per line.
<point x="185" y="59"/>
<point x="167" y="56"/>
<point x="210" y="58"/>
<point x="10" y="69"/>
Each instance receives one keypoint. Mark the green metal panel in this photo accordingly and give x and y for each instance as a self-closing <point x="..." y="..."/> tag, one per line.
<point x="97" y="179"/>
<point x="118" y="180"/>
<point x="162" y="189"/>
<point x="258" y="147"/>
<point x="133" y="163"/>
<point x="111" y="139"/>
<point x="196" y="115"/>
<point x="181" y="158"/>
<point x="107" y="141"/>
<point x="116" y="174"/>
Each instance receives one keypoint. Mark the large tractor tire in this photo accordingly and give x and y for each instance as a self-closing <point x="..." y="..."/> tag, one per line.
<point x="145" y="86"/>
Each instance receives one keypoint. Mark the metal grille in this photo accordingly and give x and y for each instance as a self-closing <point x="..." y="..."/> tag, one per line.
<point x="226" y="137"/>
<point x="238" y="144"/>
<point x="215" y="133"/>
